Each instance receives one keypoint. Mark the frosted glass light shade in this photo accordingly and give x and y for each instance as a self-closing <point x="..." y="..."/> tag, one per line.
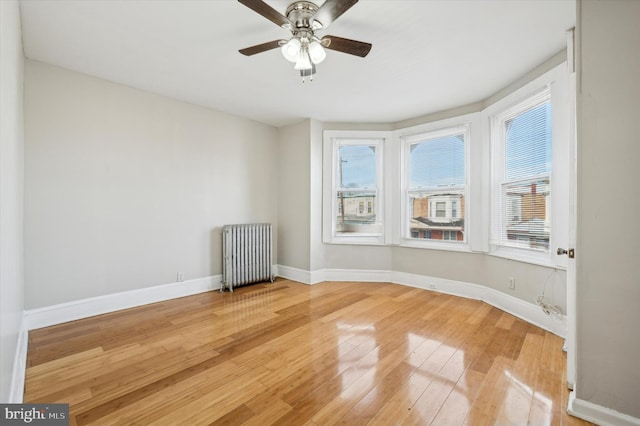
<point x="291" y="50"/>
<point x="303" y="63"/>
<point x="316" y="52"/>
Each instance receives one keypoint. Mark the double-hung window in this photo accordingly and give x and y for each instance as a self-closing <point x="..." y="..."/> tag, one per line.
<point x="354" y="202"/>
<point x="522" y="146"/>
<point x="435" y="186"/>
<point x="529" y="172"/>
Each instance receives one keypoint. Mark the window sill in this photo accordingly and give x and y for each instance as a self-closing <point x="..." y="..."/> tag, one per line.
<point x="367" y="240"/>
<point x="525" y="256"/>
<point x="433" y="245"/>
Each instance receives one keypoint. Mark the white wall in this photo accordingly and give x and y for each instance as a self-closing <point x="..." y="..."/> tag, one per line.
<point x="11" y="193"/>
<point x="608" y="268"/>
<point x="316" y="248"/>
<point x="124" y="189"/>
<point x="491" y="271"/>
<point x="294" y="196"/>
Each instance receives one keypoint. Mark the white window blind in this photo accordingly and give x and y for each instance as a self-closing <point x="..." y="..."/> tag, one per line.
<point x="522" y="190"/>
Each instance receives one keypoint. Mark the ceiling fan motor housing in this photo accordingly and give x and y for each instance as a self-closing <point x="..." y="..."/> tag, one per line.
<point x="302" y="19"/>
<point x="300" y="13"/>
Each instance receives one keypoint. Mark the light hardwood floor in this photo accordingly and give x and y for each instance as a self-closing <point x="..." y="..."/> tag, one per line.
<point x="291" y="354"/>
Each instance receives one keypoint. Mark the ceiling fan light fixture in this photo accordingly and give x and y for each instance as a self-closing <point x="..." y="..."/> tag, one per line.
<point x="291" y="50"/>
<point x="308" y="73"/>
<point x="304" y="62"/>
<point x="316" y="52"/>
<point x="303" y="18"/>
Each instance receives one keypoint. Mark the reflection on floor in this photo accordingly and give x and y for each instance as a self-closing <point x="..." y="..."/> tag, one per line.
<point x="287" y="353"/>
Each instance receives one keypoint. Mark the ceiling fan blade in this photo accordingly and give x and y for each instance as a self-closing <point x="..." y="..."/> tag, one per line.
<point x="259" y="48"/>
<point x="330" y="11"/>
<point x="268" y="12"/>
<point x="345" y="45"/>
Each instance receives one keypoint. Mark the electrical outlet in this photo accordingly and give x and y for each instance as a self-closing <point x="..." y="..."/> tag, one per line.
<point x="432" y="286"/>
<point x="180" y="277"/>
<point x="512" y="283"/>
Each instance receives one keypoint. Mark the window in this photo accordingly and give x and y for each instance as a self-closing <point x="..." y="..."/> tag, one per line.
<point x="354" y="187"/>
<point x="450" y="235"/>
<point x="523" y="156"/>
<point x="435" y="178"/>
<point x="530" y="134"/>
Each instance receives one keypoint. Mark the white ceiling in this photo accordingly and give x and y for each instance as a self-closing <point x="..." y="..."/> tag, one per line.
<point x="427" y="56"/>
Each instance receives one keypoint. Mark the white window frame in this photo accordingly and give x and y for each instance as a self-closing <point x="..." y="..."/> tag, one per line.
<point x="553" y="84"/>
<point x="332" y="139"/>
<point x="408" y="137"/>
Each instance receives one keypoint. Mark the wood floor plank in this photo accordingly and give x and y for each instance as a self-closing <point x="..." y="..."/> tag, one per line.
<point x="126" y="391"/>
<point x="516" y="406"/>
<point x="65" y="363"/>
<point x="172" y="391"/>
<point x="305" y="408"/>
<point x="352" y="394"/>
<point x="401" y="403"/>
<point x="488" y="402"/>
<point x="268" y="414"/>
<point x="458" y="403"/>
<point x="506" y="321"/>
<point x="291" y="354"/>
<point x="367" y="407"/>
<point x="239" y="415"/>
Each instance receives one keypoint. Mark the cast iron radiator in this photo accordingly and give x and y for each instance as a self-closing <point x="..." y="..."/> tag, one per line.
<point x="247" y="255"/>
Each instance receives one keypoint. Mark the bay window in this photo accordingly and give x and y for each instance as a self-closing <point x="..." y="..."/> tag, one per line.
<point x="494" y="181"/>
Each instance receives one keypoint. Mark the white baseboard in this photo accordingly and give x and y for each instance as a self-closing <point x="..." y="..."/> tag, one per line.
<point x="70" y="311"/>
<point x="315" y="277"/>
<point x="598" y="414"/>
<point x="57" y="314"/>
<point x="362" y="275"/>
<point x="294" y="274"/>
<point x="524" y="310"/>
<point x="16" y="393"/>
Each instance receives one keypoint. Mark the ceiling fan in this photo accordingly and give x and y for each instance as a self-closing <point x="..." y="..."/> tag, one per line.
<point x="303" y="19"/>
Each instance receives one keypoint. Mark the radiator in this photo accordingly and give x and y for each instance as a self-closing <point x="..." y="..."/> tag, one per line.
<point x="247" y="255"/>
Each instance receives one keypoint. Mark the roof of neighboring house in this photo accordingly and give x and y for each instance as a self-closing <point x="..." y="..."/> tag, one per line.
<point x="356" y="195"/>
<point x="428" y="194"/>
<point x="426" y="223"/>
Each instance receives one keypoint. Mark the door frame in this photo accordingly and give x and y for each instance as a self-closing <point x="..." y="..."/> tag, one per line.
<point x="570" y="340"/>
